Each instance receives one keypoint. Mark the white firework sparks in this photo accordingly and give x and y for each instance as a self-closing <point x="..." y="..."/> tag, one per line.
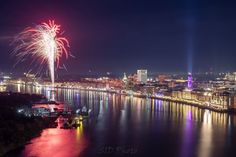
<point x="43" y="44"/>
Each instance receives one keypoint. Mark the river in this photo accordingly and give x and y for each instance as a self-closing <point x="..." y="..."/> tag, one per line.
<point x="129" y="126"/>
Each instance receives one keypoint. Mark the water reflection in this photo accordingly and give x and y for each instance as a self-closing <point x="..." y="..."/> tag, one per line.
<point x="57" y="142"/>
<point x="187" y="142"/>
<point x="206" y="135"/>
<point x="149" y="125"/>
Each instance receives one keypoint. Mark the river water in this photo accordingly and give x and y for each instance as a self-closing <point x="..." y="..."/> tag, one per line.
<point x="130" y="126"/>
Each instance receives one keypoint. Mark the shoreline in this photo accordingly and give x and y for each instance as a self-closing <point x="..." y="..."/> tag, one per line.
<point x="13" y="147"/>
<point x="198" y="104"/>
<point x="17" y="130"/>
<point x="164" y="98"/>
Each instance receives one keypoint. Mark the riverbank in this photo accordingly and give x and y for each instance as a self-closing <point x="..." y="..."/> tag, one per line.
<point x="16" y="129"/>
<point x="199" y="104"/>
<point x="195" y="103"/>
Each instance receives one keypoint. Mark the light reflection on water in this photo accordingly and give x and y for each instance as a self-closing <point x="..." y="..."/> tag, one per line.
<point x="148" y="125"/>
<point x="52" y="143"/>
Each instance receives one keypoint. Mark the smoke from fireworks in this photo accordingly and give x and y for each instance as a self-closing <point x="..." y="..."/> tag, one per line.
<point x="43" y="44"/>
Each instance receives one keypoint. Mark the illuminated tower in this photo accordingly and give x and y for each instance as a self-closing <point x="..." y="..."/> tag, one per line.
<point x="125" y="78"/>
<point x="190" y="81"/>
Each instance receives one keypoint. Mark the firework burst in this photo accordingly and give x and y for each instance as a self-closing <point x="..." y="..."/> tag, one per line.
<point x="43" y="44"/>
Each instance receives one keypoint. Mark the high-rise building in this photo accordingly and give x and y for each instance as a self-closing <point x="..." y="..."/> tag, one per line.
<point x="142" y="76"/>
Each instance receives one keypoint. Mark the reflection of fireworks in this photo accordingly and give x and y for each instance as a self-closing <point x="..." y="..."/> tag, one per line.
<point x="43" y="44"/>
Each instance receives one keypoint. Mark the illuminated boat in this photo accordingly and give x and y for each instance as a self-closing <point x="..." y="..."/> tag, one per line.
<point x="84" y="111"/>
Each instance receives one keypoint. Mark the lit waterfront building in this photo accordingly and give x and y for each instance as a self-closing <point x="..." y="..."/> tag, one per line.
<point x="142" y="76"/>
<point x="190" y="81"/>
<point x="231" y="76"/>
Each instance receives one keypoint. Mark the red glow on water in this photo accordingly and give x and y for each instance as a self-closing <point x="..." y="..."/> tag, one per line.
<point x="57" y="142"/>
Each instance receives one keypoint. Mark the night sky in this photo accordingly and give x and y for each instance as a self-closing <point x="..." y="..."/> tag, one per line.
<point x="125" y="35"/>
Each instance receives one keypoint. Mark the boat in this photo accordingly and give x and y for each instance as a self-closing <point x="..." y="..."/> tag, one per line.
<point x="70" y="123"/>
<point x="84" y="111"/>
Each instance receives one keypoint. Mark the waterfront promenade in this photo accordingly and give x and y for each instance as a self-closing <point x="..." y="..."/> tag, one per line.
<point x="200" y="104"/>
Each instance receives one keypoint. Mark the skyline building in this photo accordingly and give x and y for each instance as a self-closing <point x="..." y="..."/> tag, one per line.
<point x="124" y="78"/>
<point x="142" y="76"/>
